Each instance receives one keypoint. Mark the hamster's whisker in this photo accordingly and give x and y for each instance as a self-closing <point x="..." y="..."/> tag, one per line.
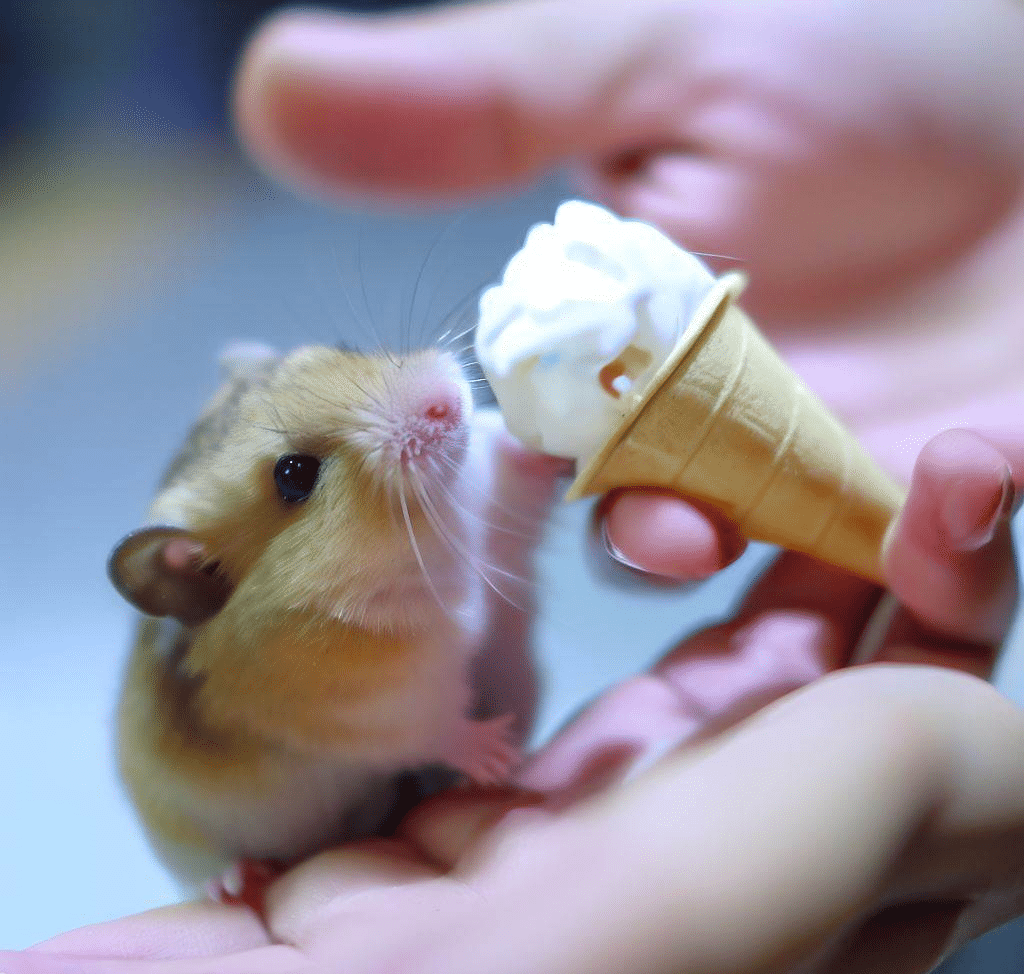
<point x="391" y="505"/>
<point x="420" y="276"/>
<point x="458" y="345"/>
<point x="435" y="519"/>
<point x="313" y="394"/>
<point x="368" y="331"/>
<point x="445" y="535"/>
<point x="405" y="320"/>
<point x="473" y="373"/>
<point x="463" y="316"/>
<point x="418" y="554"/>
<point x="515" y="516"/>
<point x="284" y="431"/>
<point x="462" y="309"/>
<point x="462" y="306"/>
<point x="365" y="320"/>
<point x="452" y="339"/>
<point x="468" y="360"/>
<point x="524" y="533"/>
<point x="375" y="400"/>
<point x="466" y="357"/>
<point x="522" y="517"/>
<point x="703" y="253"/>
<point x="361" y="271"/>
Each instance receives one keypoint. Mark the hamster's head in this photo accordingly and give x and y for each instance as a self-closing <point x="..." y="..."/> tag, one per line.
<point x="323" y="480"/>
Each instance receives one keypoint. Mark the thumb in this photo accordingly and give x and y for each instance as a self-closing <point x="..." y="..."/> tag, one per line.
<point x="444" y="104"/>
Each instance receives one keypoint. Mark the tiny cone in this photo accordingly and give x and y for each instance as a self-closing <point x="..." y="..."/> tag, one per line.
<point x="726" y="421"/>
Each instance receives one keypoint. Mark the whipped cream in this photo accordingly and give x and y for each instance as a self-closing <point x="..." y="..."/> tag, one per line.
<point x="583" y="318"/>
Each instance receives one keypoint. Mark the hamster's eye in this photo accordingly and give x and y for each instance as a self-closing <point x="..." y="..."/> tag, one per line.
<point x="295" y="475"/>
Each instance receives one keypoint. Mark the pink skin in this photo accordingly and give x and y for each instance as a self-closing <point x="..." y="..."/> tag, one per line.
<point x="483" y="750"/>
<point x="871" y="186"/>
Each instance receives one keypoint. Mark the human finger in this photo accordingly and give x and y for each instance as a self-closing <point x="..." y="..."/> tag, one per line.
<point x="936" y="756"/>
<point x="312" y="897"/>
<point x="447" y="826"/>
<point x="194" y="929"/>
<point x="960" y="874"/>
<point x="658" y="533"/>
<point x="950" y="557"/>
<point x="455" y="101"/>
<point x="951" y="560"/>
<point x="273" y="959"/>
<point x="801" y="620"/>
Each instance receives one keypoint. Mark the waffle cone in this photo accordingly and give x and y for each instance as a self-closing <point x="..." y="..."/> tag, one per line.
<point x="727" y="422"/>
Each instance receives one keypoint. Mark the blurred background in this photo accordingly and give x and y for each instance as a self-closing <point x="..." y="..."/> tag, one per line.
<point x="135" y="242"/>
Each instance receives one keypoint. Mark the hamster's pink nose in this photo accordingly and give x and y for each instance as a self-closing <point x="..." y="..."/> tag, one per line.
<point x="443" y="409"/>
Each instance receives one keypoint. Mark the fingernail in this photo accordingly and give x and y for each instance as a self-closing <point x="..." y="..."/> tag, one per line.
<point x="965" y="529"/>
<point x="614" y="553"/>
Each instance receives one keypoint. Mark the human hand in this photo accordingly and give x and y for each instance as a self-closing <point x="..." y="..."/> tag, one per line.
<point x="871" y="821"/>
<point x="862" y="161"/>
<point x="858" y="338"/>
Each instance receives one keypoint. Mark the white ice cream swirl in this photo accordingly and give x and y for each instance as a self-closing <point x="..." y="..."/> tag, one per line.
<point x="583" y="318"/>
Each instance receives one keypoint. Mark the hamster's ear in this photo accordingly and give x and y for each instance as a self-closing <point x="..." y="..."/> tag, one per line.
<point x="162" y="571"/>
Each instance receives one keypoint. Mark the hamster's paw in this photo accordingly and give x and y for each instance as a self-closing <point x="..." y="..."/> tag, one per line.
<point x="484" y="750"/>
<point x="245" y="883"/>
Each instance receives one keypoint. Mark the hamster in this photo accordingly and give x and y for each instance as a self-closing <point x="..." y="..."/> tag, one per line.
<point x="314" y="596"/>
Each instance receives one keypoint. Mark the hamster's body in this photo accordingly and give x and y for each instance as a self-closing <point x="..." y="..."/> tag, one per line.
<point x="314" y="610"/>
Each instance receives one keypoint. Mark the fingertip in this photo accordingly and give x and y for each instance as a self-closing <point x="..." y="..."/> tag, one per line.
<point x="949" y="557"/>
<point x="193" y="929"/>
<point x="437" y="105"/>
<point x="663" y="535"/>
<point x="404" y="107"/>
<point x="961" y="492"/>
<point x="301" y="98"/>
<point x="253" y="87"/>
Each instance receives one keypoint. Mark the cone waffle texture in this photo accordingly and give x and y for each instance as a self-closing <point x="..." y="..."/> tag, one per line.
<point x="726" y="421"/>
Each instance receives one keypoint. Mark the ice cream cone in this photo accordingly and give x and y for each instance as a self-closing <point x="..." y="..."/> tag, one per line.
<point x="726" y="421"/>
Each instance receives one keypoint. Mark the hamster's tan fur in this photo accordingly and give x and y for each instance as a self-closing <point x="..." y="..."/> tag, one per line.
<point x="310" y="651"/>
